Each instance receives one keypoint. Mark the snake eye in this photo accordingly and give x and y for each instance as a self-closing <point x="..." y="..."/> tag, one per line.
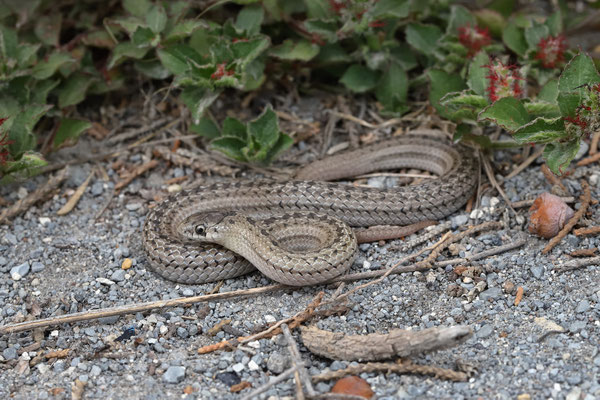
<point x="199" y="230"/>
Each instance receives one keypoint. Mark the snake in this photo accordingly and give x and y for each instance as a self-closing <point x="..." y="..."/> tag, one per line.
<point x="299" y="232"/>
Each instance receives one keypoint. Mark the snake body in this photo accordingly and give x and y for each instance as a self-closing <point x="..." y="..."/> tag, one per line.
<point x="286" y="205"/>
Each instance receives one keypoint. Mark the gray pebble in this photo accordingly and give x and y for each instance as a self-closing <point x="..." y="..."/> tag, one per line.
<point x="583" y="306"/>
<point x="277" y="363"/>
<point x="16" y="273"/>
<point x="10" y="353"/>
<point x="118" y="275"/>
<point x="491" y="294"/>
<point x="95" y="371"/>
<point x="3" y="261"/>
<point x="174" y="374"/>
<point x="485" y="331"/>
<point x="537" y="271"/>
<point x="37" y="266"/>
<point x="97" y="188"/>
<point x="459" y="220"/>
<point x="577" y="326"/>
<point x="10" y="238"/>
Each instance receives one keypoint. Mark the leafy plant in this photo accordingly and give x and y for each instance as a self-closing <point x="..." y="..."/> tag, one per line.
<point x="258" y="141"/>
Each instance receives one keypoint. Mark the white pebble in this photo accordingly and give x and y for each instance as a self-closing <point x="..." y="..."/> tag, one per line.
<point x="269" y="318"/>
<point x="44" y="220"/>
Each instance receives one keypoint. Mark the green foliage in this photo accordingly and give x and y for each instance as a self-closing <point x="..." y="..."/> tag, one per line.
<point x="51" y="62"/>
<point x="259" y="141"/>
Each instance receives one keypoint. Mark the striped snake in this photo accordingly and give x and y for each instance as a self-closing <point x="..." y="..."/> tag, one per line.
<point x="298" y="232"/>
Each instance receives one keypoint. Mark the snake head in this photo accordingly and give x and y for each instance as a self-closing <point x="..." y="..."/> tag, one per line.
<point x="204" y="227"/>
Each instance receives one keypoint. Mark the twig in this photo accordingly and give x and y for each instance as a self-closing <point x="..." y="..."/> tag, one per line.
<point x="272" y="382"/>
<point x="578" y="263"/>
<point x="157" y="124"/>
<point x="405" y="367"/>
<point x="588" y="160"/>
<point x="483" y="254"/>
<point x="492" y="178"/>
<point x="74" y="199"/>
<point x="553" y="179"/>
<point x="274" y="330"/>
<point x="297" y="361"/>
<point x="584" y="252"/>
<point x="590" y="230"/>
<point x="380" y="346"/>
<point x="133" y="308"/>
<point x="524" y="164"/>
<point x="41" y="192"/>
<point x="585" y="202"/>
<point x="139" y="170"/>
<point x="389" y="122"/>
<point x="105" y="205"/>
<point x="594" y="143"/>
<point x="529" y="203"/>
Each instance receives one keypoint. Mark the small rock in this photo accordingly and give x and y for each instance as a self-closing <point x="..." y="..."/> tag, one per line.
<point x="10" y="353"/>
<point x="37" y="266"/>
<point x="277" y="363"/>
<point x="118" y="275"/>
<point x="269" y="319"/>
<point x="95" y="371"/>
<point x="228" y="378"/>
<point x="238" y="367"/>
<point x="105" y="281"/>
<point x="485" y="331"/>
<point x="583" y="306"/>
<point x="44" y="220"/>
<point x="174" y="374"/>
<point x="491" y="294"/>
<point x="16" y="273"/>
<point x="133" y="206"/>
<point x="537" y="271"/>
<point x="252" y="366"/>
<point x="97" y="188"/>
<point x="459" y="220"/>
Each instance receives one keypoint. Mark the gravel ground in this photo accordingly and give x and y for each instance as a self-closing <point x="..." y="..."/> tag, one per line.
<point x="546" y="347"/>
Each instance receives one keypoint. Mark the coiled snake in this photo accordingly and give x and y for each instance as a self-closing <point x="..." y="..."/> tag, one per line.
<point x="296" y="232"/>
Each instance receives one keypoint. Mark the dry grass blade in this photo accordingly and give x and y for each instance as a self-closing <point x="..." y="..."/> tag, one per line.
<point x="73" y="200"/>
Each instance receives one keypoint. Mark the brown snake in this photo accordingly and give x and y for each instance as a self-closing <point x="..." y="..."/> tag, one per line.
<point x="279" y="225"/>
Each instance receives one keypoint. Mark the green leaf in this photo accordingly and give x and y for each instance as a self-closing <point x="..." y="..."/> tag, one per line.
<point x="423" y="37"/>
<point x="332" y="53"/>
<point x="45" y="69"/>
<point x="441" y="84"/>
<point x="178" y="58"/>
<point x="568" y="103"/>
<point x="392" y="89"/>
<point x="153" y="69"/>
<point x="28" y="165"/>
<point x="197" y="100"/>
<point x="47" y="29"/>
<point x="129" y="24"/>
<point x="156" y="18"/>
<point x="8" y="44"/>
<point x="464" y="98"/>
<point x="246" y="52"/>
<point x="70" y="129"/>
<point x="302" y="50"/>
<point x="459" y="17"/>
<point x="206" y="127"/>
<point x="359" y="79"/>
<point x="283" y="143"/>
<point x="476" y="79"/>
<point x="126" y="50"/>
<point x="389" y="9"/>
<point x="233" y="127"/>
<point x="265" y="129"/>
<point x="534" y="34"/>
<point x="326" y="29"/>
<point x="316" y="8"/>
<point x="183" y="29"/>
<point x="249" y="19"/>
<point x="39" y="93"/>
<point x="580" y="71"/>
<point x="73" y="90"/>
<point x="541" y="130"/>
<point x="559" y="155"/>
<point x="402" y="54"/>
<point x="507" y="112"/>
<point x="21" y="129"/>
<point x="514" y="38"/>
<point x="26" y="54"/>
<point x="542" y="109"/>
<point x="555" y="23"/>
<point x="229" y="146"/>
<point x="144" y="37"/>
<point x="139" y="8"/>
<point x="549" y="91"/>
<point x="492" y="20"/>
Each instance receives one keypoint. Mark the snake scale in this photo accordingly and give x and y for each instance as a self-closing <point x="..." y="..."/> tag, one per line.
<point x="287" y="223"/>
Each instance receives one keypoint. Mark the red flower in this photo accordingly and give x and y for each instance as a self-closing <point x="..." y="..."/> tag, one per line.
<point x="503" y="80"/>
<point x="473" y="38"/>
<point x="337" y="5"/>
<point x="221" y="72"/>
<point x="377" y="24"/>
<point x="551" y="51"/>
<point x="577" y="121"/>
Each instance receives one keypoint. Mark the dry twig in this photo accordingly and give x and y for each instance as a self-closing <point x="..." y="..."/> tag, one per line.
<point x="139" y="170"/>
<point x="589" y="230"/>
<point x="578" y="263"/>
<point x="588" y="160"/>
<point x="302" y="377"/>
<point x="73" y="200"/>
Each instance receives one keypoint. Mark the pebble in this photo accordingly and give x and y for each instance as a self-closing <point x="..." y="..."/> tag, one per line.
<point x="491" y="294"/>
<point x="277" y="363"/>
<point x="459" y="220"/>
<point x="97" y="188"/>
<point x="583" y="306"/>
<point x="174" y="374"/>
<point x="537" y="271"/>
<point x="37" y="266"/>
<point x="118" y="275"/>
<point x="18" y="272"/>
<point x="10" y="353"/>
<point x="105" y="281"/>
<point x="485" y="331"/>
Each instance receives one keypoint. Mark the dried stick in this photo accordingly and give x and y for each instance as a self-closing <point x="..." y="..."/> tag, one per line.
<point x="133" y="308"/>
<point x="590" y="230"/>
<point x="139" y="170"/>
<point x="594" y="143"/>
<point x="585" y="202"/>
<point x="274" y="330"/>
<point x="297" y="361"/>
<point x="553" y="179"/>
<point x="579" y="263"/>
<point x="584" y="252"/>
<point x="588" y="160"/>
<point x="529" y="203"/>
<point x="378" y="346"/>
<point x="41" y="192"/>
<point x="406" y="367"/>
<point x="73" y="200"/>
<point x="524" y="164"/>
<point x="483" y="254"/>
<point x="272" y="382"/>
<point x="492" y="178"/>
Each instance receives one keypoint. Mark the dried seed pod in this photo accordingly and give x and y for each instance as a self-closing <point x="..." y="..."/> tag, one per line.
<point x="353" y="385"/>
<point x="548" y="215"/>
